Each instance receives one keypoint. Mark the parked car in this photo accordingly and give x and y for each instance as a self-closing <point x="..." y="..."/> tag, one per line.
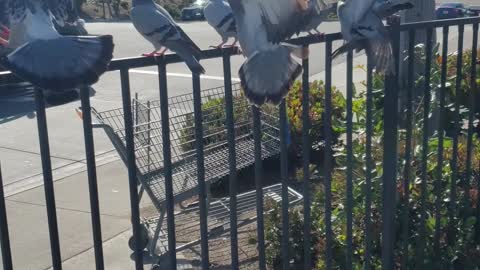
<point x="194" y="12"/>
<point x="474" y="10"/>
<point x="451" y="11"/>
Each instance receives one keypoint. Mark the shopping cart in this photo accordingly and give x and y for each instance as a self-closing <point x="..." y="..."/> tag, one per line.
<point x="149" y="145"/>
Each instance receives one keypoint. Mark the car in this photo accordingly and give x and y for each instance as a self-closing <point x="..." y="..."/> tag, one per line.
<point x="451" y="11"/>
<point x="194" y="12"/>
<point x="474" y="10"/>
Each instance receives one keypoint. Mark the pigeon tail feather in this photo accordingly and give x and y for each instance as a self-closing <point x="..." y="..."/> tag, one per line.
<point x="357" y="44"/>
<point x="75" y="61"/>
<point x="381" y="54"/>
<point x="268" y="75"/>
<point x="189" y="54"/>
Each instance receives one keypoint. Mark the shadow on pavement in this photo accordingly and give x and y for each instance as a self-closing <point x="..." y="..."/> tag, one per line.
<point x="18" y="100"/>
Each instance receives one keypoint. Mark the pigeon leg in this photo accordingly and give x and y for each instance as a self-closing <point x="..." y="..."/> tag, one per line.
<point x="4" y="32"/>
<point x="3" y="42"/>
<point x="156" y="52"/>
<point x="218" y="46"/>
<point x="316" y="33"/>
<point x="233" y="44"/>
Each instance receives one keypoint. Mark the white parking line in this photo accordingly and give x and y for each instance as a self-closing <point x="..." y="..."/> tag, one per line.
<point x="181" y="75"/>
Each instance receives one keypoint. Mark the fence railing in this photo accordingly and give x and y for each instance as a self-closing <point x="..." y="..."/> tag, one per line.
<point x="406" y="191"/>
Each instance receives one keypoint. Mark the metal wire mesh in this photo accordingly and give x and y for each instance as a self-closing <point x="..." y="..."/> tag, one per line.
<point x="149" y="144"/>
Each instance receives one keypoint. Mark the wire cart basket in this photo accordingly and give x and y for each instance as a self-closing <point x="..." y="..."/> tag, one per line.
<point x="149" y="145"/>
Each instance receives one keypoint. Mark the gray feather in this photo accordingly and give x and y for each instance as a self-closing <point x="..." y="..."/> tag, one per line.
<point x="72" y="61"/>
<point x="156" y="25"/>
<point x="218" y="14"/>
<point x="362" y="28"/>
<point x="268" y="75"/>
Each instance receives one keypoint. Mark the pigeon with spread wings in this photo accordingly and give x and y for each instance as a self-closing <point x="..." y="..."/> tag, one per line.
<point x="40" y="55"/>
<point x="156" y="25"/>
<point x="319" y="12"/>
<point x="218" y="14"/>
<point x="363" y="28"/>
<point x="262" y="27"/>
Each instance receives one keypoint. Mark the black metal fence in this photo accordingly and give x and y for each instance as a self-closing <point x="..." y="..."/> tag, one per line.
<point x="402" y="167"/>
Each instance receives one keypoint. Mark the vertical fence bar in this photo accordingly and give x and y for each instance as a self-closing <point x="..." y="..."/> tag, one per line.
<point x="328" y="154"/>
<point x="368" y="166"/>
<point x="474" y="91"/>
<point x="471" y="115"/>
<point x="426" y="112"/>
<point x="408" y="146"/>
<point x="441" y="127"/>
<point x="48" y="179"/>
<point x="257" y="137"/>
<point x="232" y="160"/>
<point x="149" y="135"/>
<point x="390" y="115"/>
<point x="92" y="177"/>
<point x="4" y="235"/>
<point x="167" y="163"/>
<point x="307" y="227"/>
<point x="453" y="181"/>
<point x="284" y="176"/>
<point x="197" y="107"/>
<point x="132" y="171"/>
<point x="349" y="255"/>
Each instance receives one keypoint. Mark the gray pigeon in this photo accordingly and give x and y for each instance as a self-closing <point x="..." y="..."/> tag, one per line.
<point x="319" y="13"/>
<point x="219" y="15"/>
<point x="263" y="26"/>
<point x="157" y="26"/>
<point x="40" y="55"/>
<point x="387" y="8"/>
<point x="362" y="28"/>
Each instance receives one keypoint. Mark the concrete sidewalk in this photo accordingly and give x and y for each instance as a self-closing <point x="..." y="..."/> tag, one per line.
<point x="28" y="220"/>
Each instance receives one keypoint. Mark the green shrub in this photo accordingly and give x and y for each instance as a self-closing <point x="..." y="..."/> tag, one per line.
<point x="464" y="253"/>
<point x="317" y="105"/>
<point x="214" y="116"/>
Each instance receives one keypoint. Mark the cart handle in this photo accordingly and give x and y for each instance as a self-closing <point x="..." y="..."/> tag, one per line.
<point x="79" y="113"/>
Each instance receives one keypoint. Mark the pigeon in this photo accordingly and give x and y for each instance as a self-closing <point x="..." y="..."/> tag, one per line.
<point x="319" y="13"/>
<point x="40" y="55"/>
<point x="363" y="28"/>
<point x="156" y="25"/>
<point x="262" y="27"/>
<point x="218" y="14"/>
<point x="387" y="8"/>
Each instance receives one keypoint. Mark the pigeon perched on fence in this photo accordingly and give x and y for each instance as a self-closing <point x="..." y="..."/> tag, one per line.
<point x="363" y="28"/>
<point x="40" y="55"/>
<point x="219" y="15"/>
<point x="262" y="27"/>
<point x="157" y="26"/>
<point x="387" y="8"/>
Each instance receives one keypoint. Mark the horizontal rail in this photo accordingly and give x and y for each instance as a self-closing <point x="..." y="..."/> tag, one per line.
<point x="144" y="61"/>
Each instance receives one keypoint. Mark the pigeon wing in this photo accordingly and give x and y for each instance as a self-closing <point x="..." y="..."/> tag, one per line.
<point x="155" y="25"/>
<point x="62" y="10"/>
<point x="283" y="18"/>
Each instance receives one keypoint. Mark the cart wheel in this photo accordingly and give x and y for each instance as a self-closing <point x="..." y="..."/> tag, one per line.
<point x="143" y="239"/>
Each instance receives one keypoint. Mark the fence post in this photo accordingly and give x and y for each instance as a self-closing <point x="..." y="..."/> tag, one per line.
<point x="390" y="115"/>
<point x="4" y="236"/>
